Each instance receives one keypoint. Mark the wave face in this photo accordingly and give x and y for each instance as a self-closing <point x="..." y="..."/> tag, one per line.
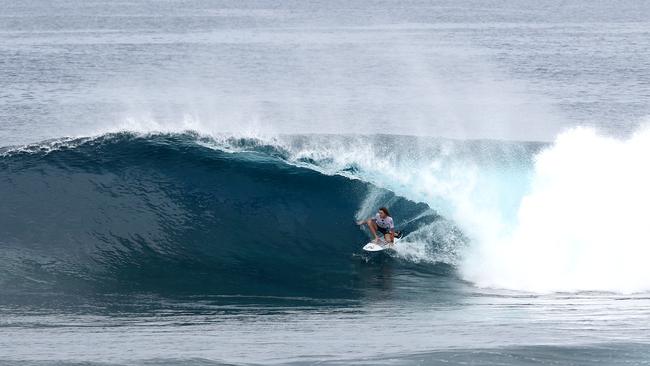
<point x="164" y="213"/>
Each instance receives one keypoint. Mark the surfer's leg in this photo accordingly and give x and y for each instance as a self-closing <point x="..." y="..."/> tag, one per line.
<point x="373" y="228"/>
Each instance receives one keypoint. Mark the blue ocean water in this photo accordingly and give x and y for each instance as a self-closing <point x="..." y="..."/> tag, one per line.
<point x="180" y="181"/>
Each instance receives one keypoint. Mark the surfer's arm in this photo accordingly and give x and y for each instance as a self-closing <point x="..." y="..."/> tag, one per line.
<point x="392" y="235"/>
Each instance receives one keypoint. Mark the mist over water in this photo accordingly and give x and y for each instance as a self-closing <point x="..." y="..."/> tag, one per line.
<point x="505" y="71"/>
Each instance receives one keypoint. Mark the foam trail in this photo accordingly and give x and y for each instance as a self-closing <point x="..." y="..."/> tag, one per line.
<point x="582" y="227"/>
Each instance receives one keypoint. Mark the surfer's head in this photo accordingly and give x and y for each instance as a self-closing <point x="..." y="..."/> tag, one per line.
<point x="383" y="212"/>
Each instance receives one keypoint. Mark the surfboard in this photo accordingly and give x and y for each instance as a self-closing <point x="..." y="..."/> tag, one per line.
<point x="374" y="247"/>
<point x="382" y="245"/>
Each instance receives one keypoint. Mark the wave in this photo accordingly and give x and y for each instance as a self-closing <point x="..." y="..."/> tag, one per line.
<point x="245" y="214"/>
<point x="165" y="213"/>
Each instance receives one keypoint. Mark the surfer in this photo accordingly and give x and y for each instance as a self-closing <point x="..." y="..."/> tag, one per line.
<point x="381" y="222"/>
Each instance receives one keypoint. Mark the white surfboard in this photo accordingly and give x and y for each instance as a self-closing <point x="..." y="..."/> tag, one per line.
<point x="378" y="247"/>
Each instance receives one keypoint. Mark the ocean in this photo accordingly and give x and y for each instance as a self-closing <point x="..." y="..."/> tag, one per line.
<point x="180" y="182"/>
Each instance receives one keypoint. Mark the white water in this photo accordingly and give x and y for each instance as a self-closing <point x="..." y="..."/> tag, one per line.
<point x="583" y="225"/>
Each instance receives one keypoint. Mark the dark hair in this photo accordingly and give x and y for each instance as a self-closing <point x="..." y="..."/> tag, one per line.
<point x="385" y="210"/>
